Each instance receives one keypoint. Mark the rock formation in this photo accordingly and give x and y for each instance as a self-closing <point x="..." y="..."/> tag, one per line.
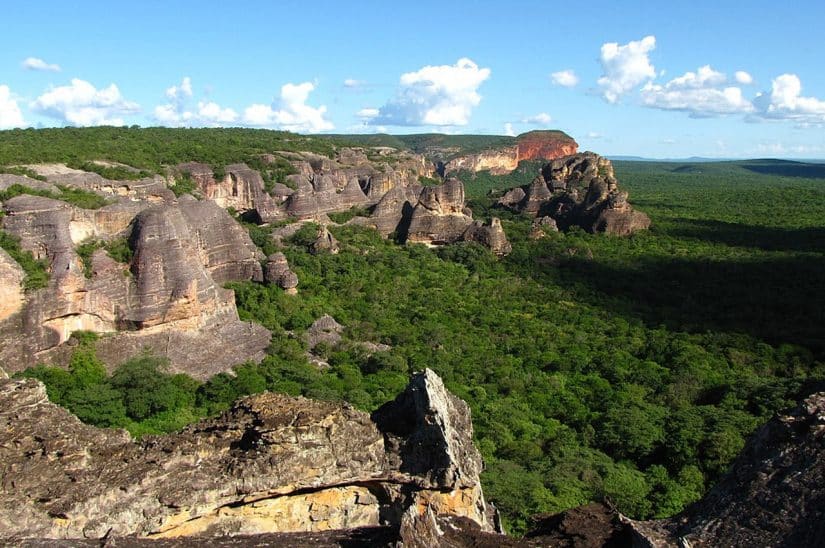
<point x="534" y="145"/>
<point x="270" y="464"/>
<point x="11" y="285"/>
<point x="441" y="217"/>
<point x="579" y="190"/>
<point x="169" y="298"/>
<point x="324" y="243"/>
<point x="277" y="272"/>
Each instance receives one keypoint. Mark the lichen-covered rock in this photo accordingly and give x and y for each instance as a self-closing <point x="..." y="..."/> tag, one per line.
<point x="270" y="464"/>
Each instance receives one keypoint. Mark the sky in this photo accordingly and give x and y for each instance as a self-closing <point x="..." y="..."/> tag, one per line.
<point x="726" y="79"/>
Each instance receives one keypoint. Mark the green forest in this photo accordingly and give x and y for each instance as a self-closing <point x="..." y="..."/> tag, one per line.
<point x="596" y="367"/>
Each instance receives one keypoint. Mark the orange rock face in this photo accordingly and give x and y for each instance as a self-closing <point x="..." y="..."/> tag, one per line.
<point x="544" y="145"/>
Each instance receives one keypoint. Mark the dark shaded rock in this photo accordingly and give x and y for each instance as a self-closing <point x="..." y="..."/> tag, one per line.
<point x="325" y="243"/>
<point x="541" y="226"/>
<point x="491" y="236"/>
<point x="513" y="197"/>
<point x="277" y="272"/>
<point x="579" y="190"/>
<point x="324" y="330"/>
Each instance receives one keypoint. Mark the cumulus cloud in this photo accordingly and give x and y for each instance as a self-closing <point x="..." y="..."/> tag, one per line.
<point x="35" y="63"/>
<point x="290" y="112"/>
<point x="702" y="93"/>
<point x="81" y="104"/>
<point x="786" y="102"/>
<point x="625" y="67"/>
<point x="743" y="77"/>
<point x="508" y="130"/>
<point x="443" y="95"/>
<point x="540" y="119"/>
<point x="211" y="113"/>
<point x="10" y="114"/>
<point x="181" y="91"/>
<point x="564" y="78"/>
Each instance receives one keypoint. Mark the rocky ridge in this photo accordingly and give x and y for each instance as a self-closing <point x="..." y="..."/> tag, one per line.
<point x="271" y="464"/>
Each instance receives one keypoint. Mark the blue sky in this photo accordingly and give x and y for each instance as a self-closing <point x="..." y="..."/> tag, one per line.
<point x="717" y="79"/>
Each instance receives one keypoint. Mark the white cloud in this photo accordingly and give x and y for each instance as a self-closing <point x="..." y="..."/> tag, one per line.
<point x="594" y="135"/>
<point x="702" y="93"/>
<point x="35" y="63"/>
<point x="353" y="83"/>
<point x="625" y="67"/>
<point x="290" y="112"/>
<point x="565" y="78"/>
<point x="540" y="119"/>
<point x="442" y="95"/>
<point x="180" y="92"/>
<point x="786" y="102"/>
<point x="367" y="113"/>
<point x="743" y="77"/>
<point x="10" y="114"/>
<point x="81" y="104"/>
<point x="508" y="130"/>
<point x="211" y="113"/>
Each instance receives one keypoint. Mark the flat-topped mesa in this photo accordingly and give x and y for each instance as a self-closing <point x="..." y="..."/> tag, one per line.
<point x="534" y="145"/>
<point x="169" y="296"/>
<point x="272" y="463"/>
<point x="579" y="190"/>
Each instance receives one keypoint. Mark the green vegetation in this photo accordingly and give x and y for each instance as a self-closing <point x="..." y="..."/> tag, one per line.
<point x="151" y="149"/>
<point x="119" y="250"/>
<point x="24" y="171"/>
<point x="596" y="367"/>
<point x="352" y="212"/>
<point x="184" y="184"/>
<point x="75" y="196"/>
<point x="113" y="172"/>
<point x="85" y="252"/>
<point x="37" y="273"/>
<point x="480" y="184"/>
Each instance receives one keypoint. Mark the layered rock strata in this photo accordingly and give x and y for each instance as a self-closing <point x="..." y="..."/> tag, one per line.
<point x="168" y="298"/>
<point x="271" y="464"/>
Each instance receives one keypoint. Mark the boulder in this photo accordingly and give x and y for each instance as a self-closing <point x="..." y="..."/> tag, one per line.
<point x="491" y="236"/>
<point x="325" y="243"/>
<point x="277" y="272"/>
<point x="439" y="216"/>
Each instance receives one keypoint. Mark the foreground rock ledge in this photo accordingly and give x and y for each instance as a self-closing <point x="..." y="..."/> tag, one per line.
<point x="271" y="464"/>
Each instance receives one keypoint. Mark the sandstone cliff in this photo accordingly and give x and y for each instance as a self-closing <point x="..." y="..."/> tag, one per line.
<point x="534" y="145"/>
<point x="169" y="298"/>
<point x="270" y="464"/>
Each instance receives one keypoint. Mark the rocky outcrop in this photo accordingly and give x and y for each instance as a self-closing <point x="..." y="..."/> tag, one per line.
<point x="491" y="236"/>
<point x="153" y="189"/>
<point x="277" y="271"/>
<point x="545" y="145"/>
<point x="497" y="162"/>
<point x="534" y="145"/>
<point x="439" y="217"/>
<point x="271" y="464"/>
<point x="579" y="190"/>
<point x="241" y="189"/>
<point x="324" y="243"/>
<point x="169" y="298"/>
<point x="11" y="285"/>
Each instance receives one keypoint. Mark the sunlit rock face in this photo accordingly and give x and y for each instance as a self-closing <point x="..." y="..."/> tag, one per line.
<point x="271" y="464"/>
